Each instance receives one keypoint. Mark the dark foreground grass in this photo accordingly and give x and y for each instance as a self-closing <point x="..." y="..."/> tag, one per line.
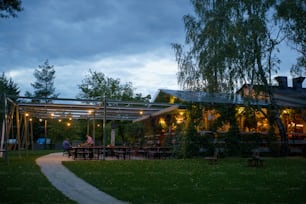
<point x="22" y="182"/>
<point x="282" y="180"/>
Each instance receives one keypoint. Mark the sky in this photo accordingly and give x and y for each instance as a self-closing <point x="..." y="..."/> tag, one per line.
<point x="128" y="40"/>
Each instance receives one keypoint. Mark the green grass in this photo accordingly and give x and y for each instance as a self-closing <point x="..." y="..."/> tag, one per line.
<point x="22" y="182"/>
<point x="282" y="180"/>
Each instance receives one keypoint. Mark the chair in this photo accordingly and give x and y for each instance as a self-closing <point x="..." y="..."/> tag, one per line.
<point x="67" y="152"/>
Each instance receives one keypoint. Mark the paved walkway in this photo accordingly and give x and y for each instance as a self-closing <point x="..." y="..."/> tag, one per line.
<point x="69" y="184"/>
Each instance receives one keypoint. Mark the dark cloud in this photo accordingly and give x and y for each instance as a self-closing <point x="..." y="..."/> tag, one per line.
<point x="71" y="29"/>
<point x="126" y="39"/>
<point x="122" y="38"/>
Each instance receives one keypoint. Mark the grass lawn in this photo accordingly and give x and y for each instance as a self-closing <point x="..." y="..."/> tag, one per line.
<point x="22" y="182"/>
<point x="281" y="180"/>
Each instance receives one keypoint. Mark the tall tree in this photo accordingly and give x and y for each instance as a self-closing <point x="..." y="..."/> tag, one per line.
<point x="293" y="15"/>
<point x="226" y="45"/>
<point x="44" y="85"/>
<point x="229" y="43"/>
<point x="8" y="8"/>
<point x="96" y="86"/>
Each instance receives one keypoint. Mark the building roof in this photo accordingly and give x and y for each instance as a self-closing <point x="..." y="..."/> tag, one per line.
<point x="290" y="97"/>
<point x="203" y="97"/>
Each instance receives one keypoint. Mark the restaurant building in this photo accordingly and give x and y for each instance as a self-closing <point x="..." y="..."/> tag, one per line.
<point x="251" y="103"/>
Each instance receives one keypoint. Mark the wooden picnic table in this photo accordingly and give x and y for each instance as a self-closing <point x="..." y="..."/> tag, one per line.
<point x="94" y="152"/>
<point x="86" y="152"/>
<point x="120" y="152"/>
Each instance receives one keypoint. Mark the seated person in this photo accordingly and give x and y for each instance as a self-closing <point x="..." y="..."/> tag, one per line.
<point x="67" y="146"/>
<point x="89" y="141"/>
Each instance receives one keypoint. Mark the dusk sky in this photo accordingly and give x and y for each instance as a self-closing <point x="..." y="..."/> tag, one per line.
<point x="125" y="39"/>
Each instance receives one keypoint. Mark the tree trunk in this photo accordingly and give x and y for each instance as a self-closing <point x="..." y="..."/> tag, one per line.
<point x="284" y="138"/>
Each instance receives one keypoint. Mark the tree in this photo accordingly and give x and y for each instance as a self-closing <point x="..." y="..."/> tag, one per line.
<point x="8" y="87"/>
<point x="229" y="44"/>
<point x="44" y="85"/>
<point x="292" y="14"/>
<point x="8" y="8"/>
<point x="96" y="86"/>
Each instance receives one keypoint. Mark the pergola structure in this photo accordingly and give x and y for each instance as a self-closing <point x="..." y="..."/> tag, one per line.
<point x="22" y="109"/>
<point x="84" y="109"/>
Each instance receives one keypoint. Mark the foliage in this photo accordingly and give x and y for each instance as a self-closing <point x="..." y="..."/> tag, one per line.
<point x="293" y="13"/>
<point x="189" y="145"/>
<point x="190" y="139"/>
<point x="44" y="85"/>
<point x="134" y="133"/>
<point x="229" y="44"/>
<point x="96" y="86"/>
<point x="226" y="45"/>
<point x="8" y="87"/>
<point x="195" y="181"/>
<point x="58" y="131"/>
<point x="9" y="8"/>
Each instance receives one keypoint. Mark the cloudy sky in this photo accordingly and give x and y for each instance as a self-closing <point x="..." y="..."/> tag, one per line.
<point x="125" y="39"/>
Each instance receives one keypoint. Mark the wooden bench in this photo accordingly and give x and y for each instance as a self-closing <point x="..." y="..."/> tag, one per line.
<point x="82" y="153"/>
<point x="120" y="154"/>
<point x="213" y="159"/>
<point x="68" y="152"/>
<point x="255" y="160"/>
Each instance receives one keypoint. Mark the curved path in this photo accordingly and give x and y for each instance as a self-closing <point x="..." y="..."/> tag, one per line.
<point x="69" y="184"/>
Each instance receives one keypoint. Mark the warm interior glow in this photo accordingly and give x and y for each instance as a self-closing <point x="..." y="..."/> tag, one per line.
<point x="240" y="110"/>
<point x="162" y="122"/>
<point x="180" y="117"/>
<point x="285" y="112"/>
<point x="172" y="99"/>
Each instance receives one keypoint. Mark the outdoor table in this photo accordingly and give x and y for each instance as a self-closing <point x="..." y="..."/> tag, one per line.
<point x="120" y="151"/>
<point x="86" y="152"/>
